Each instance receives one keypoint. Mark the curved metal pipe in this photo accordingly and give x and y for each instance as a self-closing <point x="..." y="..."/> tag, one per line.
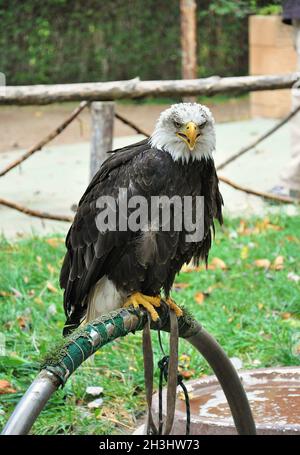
<point x="31" y="404"/>
<point x="47" y="382"/>
<point x="229" y="380"/>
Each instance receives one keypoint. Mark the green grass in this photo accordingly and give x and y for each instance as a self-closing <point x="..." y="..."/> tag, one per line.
<point x="253" y="313"/>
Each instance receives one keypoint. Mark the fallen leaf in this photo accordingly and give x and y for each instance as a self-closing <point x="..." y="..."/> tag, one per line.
<point x="259" y="227"/>
<point x="199" y="297"/>
<point x="181" y="396"/>
<point x="22" y="322"/>
<point x="291" y="276"/>
<point x="51" y="288"/>
<point x="123" y="416"/>
<point x="180" y="286"/>
<point x="274" y="227"/>
<point x="186" y="374"/>
<point x="6" y="387"/>
<point x="265" y="224"/>
<point x="217" y="263"/>
<point x="278" y="263"/>
<point x="185" y="358"/>
<point x="292" y="238"/>
<point x="293" y="322"/>
<point x="262" y="263"/>
<point x="244" y="252"/>
<point x="54" y="241"/>
<point x="184" y="366"/>
<point x="51" y="268"/>
<point x="5" y="294"/>
<point x="286" y="315"/>
<point x="242" y="227"/>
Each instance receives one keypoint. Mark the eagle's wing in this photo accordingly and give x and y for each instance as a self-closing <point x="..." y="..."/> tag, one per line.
<point x="89" y="251"/>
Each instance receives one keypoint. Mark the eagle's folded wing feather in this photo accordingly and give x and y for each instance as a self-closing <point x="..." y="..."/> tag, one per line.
<point x="89" y="251"/>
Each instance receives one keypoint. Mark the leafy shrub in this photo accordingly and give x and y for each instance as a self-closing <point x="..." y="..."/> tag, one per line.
<point x="59" y="41"/>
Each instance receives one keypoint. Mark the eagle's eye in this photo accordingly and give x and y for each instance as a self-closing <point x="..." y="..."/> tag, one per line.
<point x="177" y="124"/>
<point x="202" y="124"/>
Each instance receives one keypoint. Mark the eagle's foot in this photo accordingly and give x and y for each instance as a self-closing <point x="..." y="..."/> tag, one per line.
<point x="147" y="301"/>
<point x="172" y="305"/>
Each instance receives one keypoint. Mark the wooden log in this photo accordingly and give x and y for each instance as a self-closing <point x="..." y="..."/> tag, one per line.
<point x="34" y="213"/>
<point x="188" y="42"/>
<point x="108" y="91"/>
<point x="102" y="134"/>
<point x="264" y="195"/>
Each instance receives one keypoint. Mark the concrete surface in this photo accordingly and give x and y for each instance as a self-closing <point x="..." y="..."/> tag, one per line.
<point x="56" y="177"/>
<point x="273" y="394"/>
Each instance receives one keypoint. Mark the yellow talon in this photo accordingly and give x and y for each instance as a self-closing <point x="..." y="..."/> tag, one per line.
<point x="148" y="302"/>
<point x="172" y="305"/>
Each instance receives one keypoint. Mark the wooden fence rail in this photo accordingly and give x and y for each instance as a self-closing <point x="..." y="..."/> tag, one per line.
<point x="135" y="88"/>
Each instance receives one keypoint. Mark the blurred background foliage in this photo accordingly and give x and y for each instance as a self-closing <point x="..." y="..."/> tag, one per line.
<point x="63" y="41"/>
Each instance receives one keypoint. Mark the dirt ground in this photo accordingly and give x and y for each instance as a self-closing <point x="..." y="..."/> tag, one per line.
<point x="22" y="127"/>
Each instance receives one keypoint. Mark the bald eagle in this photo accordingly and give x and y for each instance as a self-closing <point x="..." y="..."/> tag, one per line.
<point x="105" y="269"/>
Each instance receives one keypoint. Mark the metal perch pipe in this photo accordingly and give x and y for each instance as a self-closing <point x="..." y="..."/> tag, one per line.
<point x="32" y="403"/>
<point x="59" y="365"/>
<point x="228" y="378"/>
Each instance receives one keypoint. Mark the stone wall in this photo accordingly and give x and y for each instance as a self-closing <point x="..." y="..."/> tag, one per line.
<point x="271" y="51"/>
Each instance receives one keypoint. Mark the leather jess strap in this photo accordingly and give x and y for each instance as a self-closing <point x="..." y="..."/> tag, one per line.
<point x="148" y="375"/>
<point x="170" y="373"/>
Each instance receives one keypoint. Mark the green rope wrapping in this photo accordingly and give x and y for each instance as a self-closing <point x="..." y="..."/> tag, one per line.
<point x="65" y="358"/>
<point x="85" y="341"/>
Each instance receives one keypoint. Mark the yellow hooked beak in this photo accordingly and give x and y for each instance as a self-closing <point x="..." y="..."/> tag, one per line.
<point x="189" y="133"/>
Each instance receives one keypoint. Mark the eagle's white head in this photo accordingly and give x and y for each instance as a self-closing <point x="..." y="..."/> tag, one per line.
<point x="186" y="131"/>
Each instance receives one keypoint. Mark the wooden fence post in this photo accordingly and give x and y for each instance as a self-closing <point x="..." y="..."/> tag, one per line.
<point x="188" y="23"/>
<point x="102" y="133"/>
